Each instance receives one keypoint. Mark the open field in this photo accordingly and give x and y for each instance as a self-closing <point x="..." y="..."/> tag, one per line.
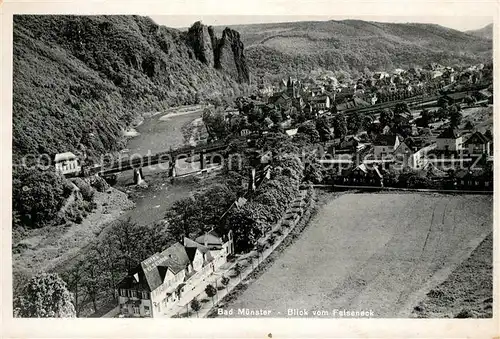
<point x="379" y="252"/>
<point x="467" y="292"/>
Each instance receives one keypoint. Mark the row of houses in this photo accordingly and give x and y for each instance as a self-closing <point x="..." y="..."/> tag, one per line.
<point x="159" y="282"/>
<point x="374" y="175"/>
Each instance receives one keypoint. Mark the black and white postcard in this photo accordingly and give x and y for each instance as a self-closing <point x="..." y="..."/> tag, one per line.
<point x="295" y="163"/>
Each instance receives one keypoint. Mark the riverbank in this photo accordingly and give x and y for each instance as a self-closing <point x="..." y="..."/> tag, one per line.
<point x="51" y="248"/>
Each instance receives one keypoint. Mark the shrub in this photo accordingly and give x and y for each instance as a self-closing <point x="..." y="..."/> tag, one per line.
<point x="36" y="196"/>
<point x="99" y="184"/>
<point x="465" y="313"/>
<point x="85" y="189"/>
<point x="271" y="240"/>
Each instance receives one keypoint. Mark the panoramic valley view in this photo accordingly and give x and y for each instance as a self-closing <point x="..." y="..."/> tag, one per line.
<point x="317" y="169"/>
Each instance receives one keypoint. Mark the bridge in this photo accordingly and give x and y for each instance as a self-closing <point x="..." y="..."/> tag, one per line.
<point x="171" y="156"/>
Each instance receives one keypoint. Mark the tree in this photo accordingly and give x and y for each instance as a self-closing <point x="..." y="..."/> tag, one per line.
<point x="367" y="121"/>
<point x="275" y="116"/>
<point x="323" y="128"/>
<point x="196" y="305"/>
<point x="386" y="117"/>
<point x="211" y="203"/>
<point x="309" y="128"/>
<point x="237" y="268"/>
<point x="45" y="296"/>
<point x="424" y="119"/>
<point x="469" y="125"/>
<point x="225" y="282"/>
<point x="75" y="278"/>
<point x="215" y="123"/>
<point x="354" y="123"/>
<point x="245" y="228"/>
<point x="312" y="173"/>
<point x="340" y="126"/>
<point x="211" y="292"/>
<point x="488" y="134"/>
<point x="182" y="218"/>
<point x="37" y="195"/>
<point x="455" y="116"/>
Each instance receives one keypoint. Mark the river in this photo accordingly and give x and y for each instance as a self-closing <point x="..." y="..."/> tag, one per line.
<point x="156" y="134"/>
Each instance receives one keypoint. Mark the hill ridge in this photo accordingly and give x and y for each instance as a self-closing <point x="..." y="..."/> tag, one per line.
<point x="351" y="45"/>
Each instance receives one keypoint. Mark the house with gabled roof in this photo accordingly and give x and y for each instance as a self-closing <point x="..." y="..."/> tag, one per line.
<point x="385" y="144"/>
<point x="478" y="144"/>
<point x="158" y="283"/>
<point x="449" y="140"/>
<point x="365" y="174"/>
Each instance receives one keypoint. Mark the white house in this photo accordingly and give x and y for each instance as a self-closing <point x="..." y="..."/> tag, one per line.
<point x="320" y="102"/>
<point x="67" y="163"/>
<point x="449" y="140"/>
<point x="158" y="283"/>
<point x="385" y="144"/>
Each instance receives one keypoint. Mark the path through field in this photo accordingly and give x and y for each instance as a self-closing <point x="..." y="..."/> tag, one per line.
<point x="382" y="252"/>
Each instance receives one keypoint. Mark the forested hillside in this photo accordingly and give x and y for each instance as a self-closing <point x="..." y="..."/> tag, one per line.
<point x="486" y="32"/>
<point x="352" y="45"/>
<point x="78" y="80"/>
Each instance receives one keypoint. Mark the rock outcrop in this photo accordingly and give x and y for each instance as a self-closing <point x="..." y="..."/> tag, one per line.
<point x="230" y="55"/>
<point x="225" y="54"/>
<point x="200" y="39"/>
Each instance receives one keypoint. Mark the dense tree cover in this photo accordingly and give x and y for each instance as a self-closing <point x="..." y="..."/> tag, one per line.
<point x="122" y="246"/>
<point x="324" y="129"/>
<point x="44" y="296"/>
<point x="215" y="123"/>
<point x="37" y="196"/>
<point x="354" y="46"/>
<point x="200" y="212"/>
<point x="455" y="114"/>
<point x="355" y="123"/>
<point x="78" y="80"/>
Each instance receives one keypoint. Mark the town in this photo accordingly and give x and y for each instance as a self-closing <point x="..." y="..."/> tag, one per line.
<point x="174" y="183"/>
<point x="406" y="144"/>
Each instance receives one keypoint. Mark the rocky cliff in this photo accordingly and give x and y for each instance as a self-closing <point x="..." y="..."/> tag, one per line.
<point x="78" y="80"/>
<point x="225" y="53"/>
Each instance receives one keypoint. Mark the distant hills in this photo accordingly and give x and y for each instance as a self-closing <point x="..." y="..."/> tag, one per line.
<point x="78" y="80"/>
<point x="352" y="45"/>
<point x="486" y="32"/>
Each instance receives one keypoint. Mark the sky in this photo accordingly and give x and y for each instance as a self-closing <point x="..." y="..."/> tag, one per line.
<point x="461" y="23"/>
